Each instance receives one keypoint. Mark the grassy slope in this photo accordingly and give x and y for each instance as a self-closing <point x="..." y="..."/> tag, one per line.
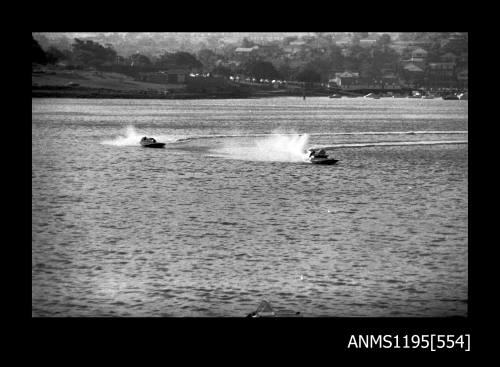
<point x="111" y="85"/>
<point x="93" y="79"/>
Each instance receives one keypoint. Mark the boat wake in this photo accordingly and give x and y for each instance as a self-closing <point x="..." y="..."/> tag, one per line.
<point x="425" y="132"/>
<point x="132" y="137"/>
<point x="293" y="148"/>
<point x="273" y="147"/>
<point x="394" y="143"/>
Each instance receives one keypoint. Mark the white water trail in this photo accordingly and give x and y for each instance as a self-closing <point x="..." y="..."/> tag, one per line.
<point x="395" y="143"/>
<point x="275" y="148"/>
<point x="428" y="132"/>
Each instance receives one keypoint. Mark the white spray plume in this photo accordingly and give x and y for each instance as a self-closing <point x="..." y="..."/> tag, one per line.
<point x="131" y="138"/>
<point x="276" y="148"/>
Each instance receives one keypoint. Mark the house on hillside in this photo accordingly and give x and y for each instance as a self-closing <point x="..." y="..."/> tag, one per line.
<point x="413" y="75"/>
<point x="297" y="44"/>
<point x="363" y="83"/>
<point x="441" y="69"/>
<point x="399" y="46"/>
<point x="390" y="81"/>
<point x="463" y="78"/>
<point x="412" y="68"/>
<point x="243" y="53"/>
<point x="246" y="50"/>
<point x="463" y="36"/>
<point x="420" y="63"/>
<point x="419" y="53"/>
<point x="454" y="39"/>
<point x="442" y="74"/>
<point x="463" y="58"/>
<point x="342" y="40"/>
<point x="345" y="77"/>
<point x="449" y="57"/>
<point x="418" y="57"/>
<point x="228" y="64"/>
<point x="347" y="74"/>
<point x="367" y="42"/>
<point x="294" y="47"/>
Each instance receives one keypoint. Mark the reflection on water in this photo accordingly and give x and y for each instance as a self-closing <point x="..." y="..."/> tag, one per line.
<point x="189" y="231"/>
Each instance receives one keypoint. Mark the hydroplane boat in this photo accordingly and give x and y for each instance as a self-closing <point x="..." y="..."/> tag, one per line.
<point x="320" y="157"/>
<point x="266" y="310"/>
<point x="151" y="143"/>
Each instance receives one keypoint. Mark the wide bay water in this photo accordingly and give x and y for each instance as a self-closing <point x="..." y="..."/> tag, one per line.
<point x="230" y="212"/>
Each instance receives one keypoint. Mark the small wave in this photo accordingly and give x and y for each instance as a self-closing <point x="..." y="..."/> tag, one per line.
<point x="395" y="143"/>
<point x="181" y="140"/>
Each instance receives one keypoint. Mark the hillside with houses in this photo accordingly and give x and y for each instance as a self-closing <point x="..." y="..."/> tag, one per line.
<point x="249" y="64"/>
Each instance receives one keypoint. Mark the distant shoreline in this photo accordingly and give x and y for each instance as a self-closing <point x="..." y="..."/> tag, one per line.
<point x="92" y="93"/>
<point x="59" y="83"/>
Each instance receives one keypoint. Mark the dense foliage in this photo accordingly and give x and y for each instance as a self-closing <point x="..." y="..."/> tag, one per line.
<point x="178" y="60"/>
<point x="37" y="54"/>
<point x="92" y="53"/>
<point x="312" y="58"/>
<point x="260" y="69"/>
<point x="308" y="75"/>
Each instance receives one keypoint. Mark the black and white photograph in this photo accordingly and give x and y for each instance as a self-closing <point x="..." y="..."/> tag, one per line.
<point x="249" y="175"/>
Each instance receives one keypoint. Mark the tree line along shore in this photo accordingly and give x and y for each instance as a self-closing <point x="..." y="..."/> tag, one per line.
<point x="125" y="91"/>
<point x="53" y="82"/>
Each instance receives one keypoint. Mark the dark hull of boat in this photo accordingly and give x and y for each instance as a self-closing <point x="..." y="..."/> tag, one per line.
<point x="153" y="145"/>
<point x="325" y="161"/>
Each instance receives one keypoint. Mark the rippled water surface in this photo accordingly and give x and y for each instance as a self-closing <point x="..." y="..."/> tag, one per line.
<point x="231" y="212"/>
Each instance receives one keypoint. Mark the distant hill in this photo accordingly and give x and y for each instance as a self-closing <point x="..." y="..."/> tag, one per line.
<point x="126" y="43"/>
